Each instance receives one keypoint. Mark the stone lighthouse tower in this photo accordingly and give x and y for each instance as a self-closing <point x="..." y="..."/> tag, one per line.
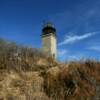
<point x="49" y="44"/>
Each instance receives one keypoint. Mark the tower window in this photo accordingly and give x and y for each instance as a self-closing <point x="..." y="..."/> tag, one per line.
<point x="53" y="55"/>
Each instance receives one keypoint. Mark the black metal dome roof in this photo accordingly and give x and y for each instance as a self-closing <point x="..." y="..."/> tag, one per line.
<point x="48" y="28"/>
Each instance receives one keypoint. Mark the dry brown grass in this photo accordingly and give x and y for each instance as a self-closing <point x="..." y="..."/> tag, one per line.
<point x="27" y="74"/>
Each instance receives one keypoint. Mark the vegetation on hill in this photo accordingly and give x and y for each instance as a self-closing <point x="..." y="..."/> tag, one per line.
<point x="28" y="74"/>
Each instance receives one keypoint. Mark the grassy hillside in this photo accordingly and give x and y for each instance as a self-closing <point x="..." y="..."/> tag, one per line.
<point x="27" y="74"/>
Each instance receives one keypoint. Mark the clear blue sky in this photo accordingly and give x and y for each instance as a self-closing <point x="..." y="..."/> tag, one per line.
<point x="77" y="23"/>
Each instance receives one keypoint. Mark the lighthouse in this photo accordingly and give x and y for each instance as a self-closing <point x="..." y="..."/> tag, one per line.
<point x="49" y="40"/>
